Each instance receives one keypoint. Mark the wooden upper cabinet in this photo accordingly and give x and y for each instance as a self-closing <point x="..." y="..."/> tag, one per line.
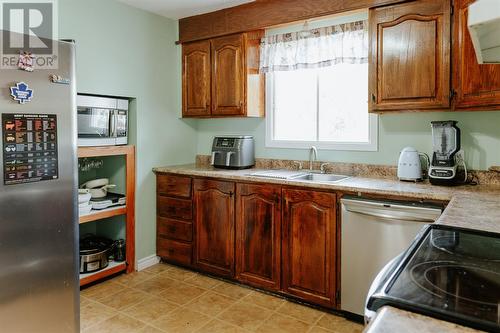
<point x="228" y="76"/>
<point x="258" y="235"/>
<point x="409" y="61"/>
<point x="476" y="86"/>
<point x="221" y="77"/>
<point x="196" y="79"/>
<point x="214" y="226"/>
<point x="309" y="245"/>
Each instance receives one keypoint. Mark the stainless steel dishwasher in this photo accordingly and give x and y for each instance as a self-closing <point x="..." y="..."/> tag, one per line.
<point x="373" y="233"/>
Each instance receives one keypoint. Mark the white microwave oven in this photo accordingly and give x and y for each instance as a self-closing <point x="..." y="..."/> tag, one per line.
<point x="102" y="121"/>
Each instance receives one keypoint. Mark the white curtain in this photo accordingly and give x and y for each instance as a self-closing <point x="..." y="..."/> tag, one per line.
<point x="338" y="44"/>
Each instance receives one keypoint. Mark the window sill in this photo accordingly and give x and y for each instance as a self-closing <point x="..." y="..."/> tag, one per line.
<point x="322" y="145"/>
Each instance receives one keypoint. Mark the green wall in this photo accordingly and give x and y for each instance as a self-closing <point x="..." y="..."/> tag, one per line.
<point x="123" y="51"/>
<point x="480" y="138"/>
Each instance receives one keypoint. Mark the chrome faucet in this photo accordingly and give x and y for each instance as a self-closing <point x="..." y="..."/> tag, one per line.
<point x="313" y="157"/>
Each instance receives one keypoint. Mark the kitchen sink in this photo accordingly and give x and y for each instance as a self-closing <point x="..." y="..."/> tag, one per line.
<point x="321" y="177"/>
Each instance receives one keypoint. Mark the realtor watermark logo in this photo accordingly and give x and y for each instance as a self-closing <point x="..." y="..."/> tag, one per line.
<point x="28" y="34"/>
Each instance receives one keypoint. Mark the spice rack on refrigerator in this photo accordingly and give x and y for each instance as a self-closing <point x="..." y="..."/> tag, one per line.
<point x="128" y="210"/>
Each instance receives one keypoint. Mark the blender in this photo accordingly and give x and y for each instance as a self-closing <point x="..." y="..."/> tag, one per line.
<point x="445" y="145"/>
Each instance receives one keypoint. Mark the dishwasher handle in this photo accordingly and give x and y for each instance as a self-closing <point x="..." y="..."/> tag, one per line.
<point x="385" y="216"/>
<point x="391" y="211"/>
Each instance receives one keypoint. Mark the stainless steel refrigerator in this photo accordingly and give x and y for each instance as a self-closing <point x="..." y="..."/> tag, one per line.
<point x="39" y="286"/>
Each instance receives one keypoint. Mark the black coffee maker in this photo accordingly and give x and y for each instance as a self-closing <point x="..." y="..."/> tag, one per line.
<point x="445" y="146"/>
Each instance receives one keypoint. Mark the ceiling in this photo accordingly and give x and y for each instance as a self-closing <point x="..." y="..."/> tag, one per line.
<point x="177" y="9"/>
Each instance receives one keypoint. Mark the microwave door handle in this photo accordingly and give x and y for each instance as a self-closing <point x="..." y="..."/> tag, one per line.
<point x="113" y="124"/>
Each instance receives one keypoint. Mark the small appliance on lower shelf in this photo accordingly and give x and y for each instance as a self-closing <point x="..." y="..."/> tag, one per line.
<point x="96" y="252"/>
<point x="448" y="273"/>
<point x="110" y="200"/>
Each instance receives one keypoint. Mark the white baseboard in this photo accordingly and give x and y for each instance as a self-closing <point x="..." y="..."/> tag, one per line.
<point x="147" y="262"/>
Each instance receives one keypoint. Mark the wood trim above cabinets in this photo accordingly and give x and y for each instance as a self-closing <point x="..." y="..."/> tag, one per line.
<point x="262" y="14"/>
<point x="409" y="56"/>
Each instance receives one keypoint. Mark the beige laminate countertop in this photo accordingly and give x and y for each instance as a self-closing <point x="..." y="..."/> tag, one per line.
<point x="473" y="207"/>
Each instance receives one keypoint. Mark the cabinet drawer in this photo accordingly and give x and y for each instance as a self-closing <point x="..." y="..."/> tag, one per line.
<point x="175" y="229"/>
<point x="175" y="208"/>
<point x="176" y="186"/>
<point x="173" y="250"/>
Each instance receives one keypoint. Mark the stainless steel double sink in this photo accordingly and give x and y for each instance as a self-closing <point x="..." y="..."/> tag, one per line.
<point x="302" y="176"/>
<point x="321" y="178"/>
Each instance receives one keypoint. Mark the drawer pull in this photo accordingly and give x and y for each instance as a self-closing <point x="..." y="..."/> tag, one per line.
<point x="172" y="229"/>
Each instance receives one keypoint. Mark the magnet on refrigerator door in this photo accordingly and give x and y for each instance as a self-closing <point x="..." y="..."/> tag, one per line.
<point x="59" y="79"/>
<point x="21" y="93"/>
<point x="26" y="60"/>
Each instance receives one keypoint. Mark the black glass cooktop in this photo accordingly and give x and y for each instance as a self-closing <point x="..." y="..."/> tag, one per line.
<point x="448" y="273"/>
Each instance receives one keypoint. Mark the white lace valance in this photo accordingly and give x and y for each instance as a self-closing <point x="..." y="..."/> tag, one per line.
<point x="343" y="43"/>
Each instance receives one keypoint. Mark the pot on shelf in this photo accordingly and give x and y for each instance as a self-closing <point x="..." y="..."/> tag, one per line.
<point x="98" y="188"/>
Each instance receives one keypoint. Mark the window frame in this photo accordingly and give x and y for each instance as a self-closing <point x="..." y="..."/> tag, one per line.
<point x="371" y="145"/>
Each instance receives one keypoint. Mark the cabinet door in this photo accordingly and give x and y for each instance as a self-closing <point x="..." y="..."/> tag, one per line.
<point x="228" y="81"/>
<point x="309" y="246"/>
<point x="409" y="62"/>
<point x="258" y="235"/>
<point x="214" y="226"/>
<point x="476" y="86"/>
<point x="196" y="79"/>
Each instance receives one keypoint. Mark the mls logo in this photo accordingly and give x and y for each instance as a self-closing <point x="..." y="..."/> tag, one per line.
<point x="28" y="26"/>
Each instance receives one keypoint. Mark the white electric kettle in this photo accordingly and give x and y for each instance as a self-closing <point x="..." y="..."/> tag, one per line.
<point x="409" y="165"/>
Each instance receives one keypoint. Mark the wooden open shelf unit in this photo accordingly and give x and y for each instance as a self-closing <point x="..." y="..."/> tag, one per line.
<point x="96" y="215"/>
<point x="113" y="268"/>
<point x="128" y="210"/>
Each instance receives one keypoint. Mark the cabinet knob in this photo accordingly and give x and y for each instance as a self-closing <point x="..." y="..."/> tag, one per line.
<point x="374" y="99"/>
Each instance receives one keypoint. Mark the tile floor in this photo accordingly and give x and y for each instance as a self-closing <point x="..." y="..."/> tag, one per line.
<point x="164" y="299"/>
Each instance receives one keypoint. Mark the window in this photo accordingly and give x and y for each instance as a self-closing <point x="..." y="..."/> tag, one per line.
<point x="326" y="107"/>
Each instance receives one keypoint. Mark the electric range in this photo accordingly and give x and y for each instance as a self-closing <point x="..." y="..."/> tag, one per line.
<point x="448" y="273"/>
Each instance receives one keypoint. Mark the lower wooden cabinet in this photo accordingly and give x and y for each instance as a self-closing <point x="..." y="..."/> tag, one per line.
<point x="214" y="226"/>
<point x="175" y="229"/>
<point x="309" y="249"/>
<point x="174" y="224"/>
<point x="267" y="236"/>
<point x="179" y="252"/>
<point x="258" y="235"/>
